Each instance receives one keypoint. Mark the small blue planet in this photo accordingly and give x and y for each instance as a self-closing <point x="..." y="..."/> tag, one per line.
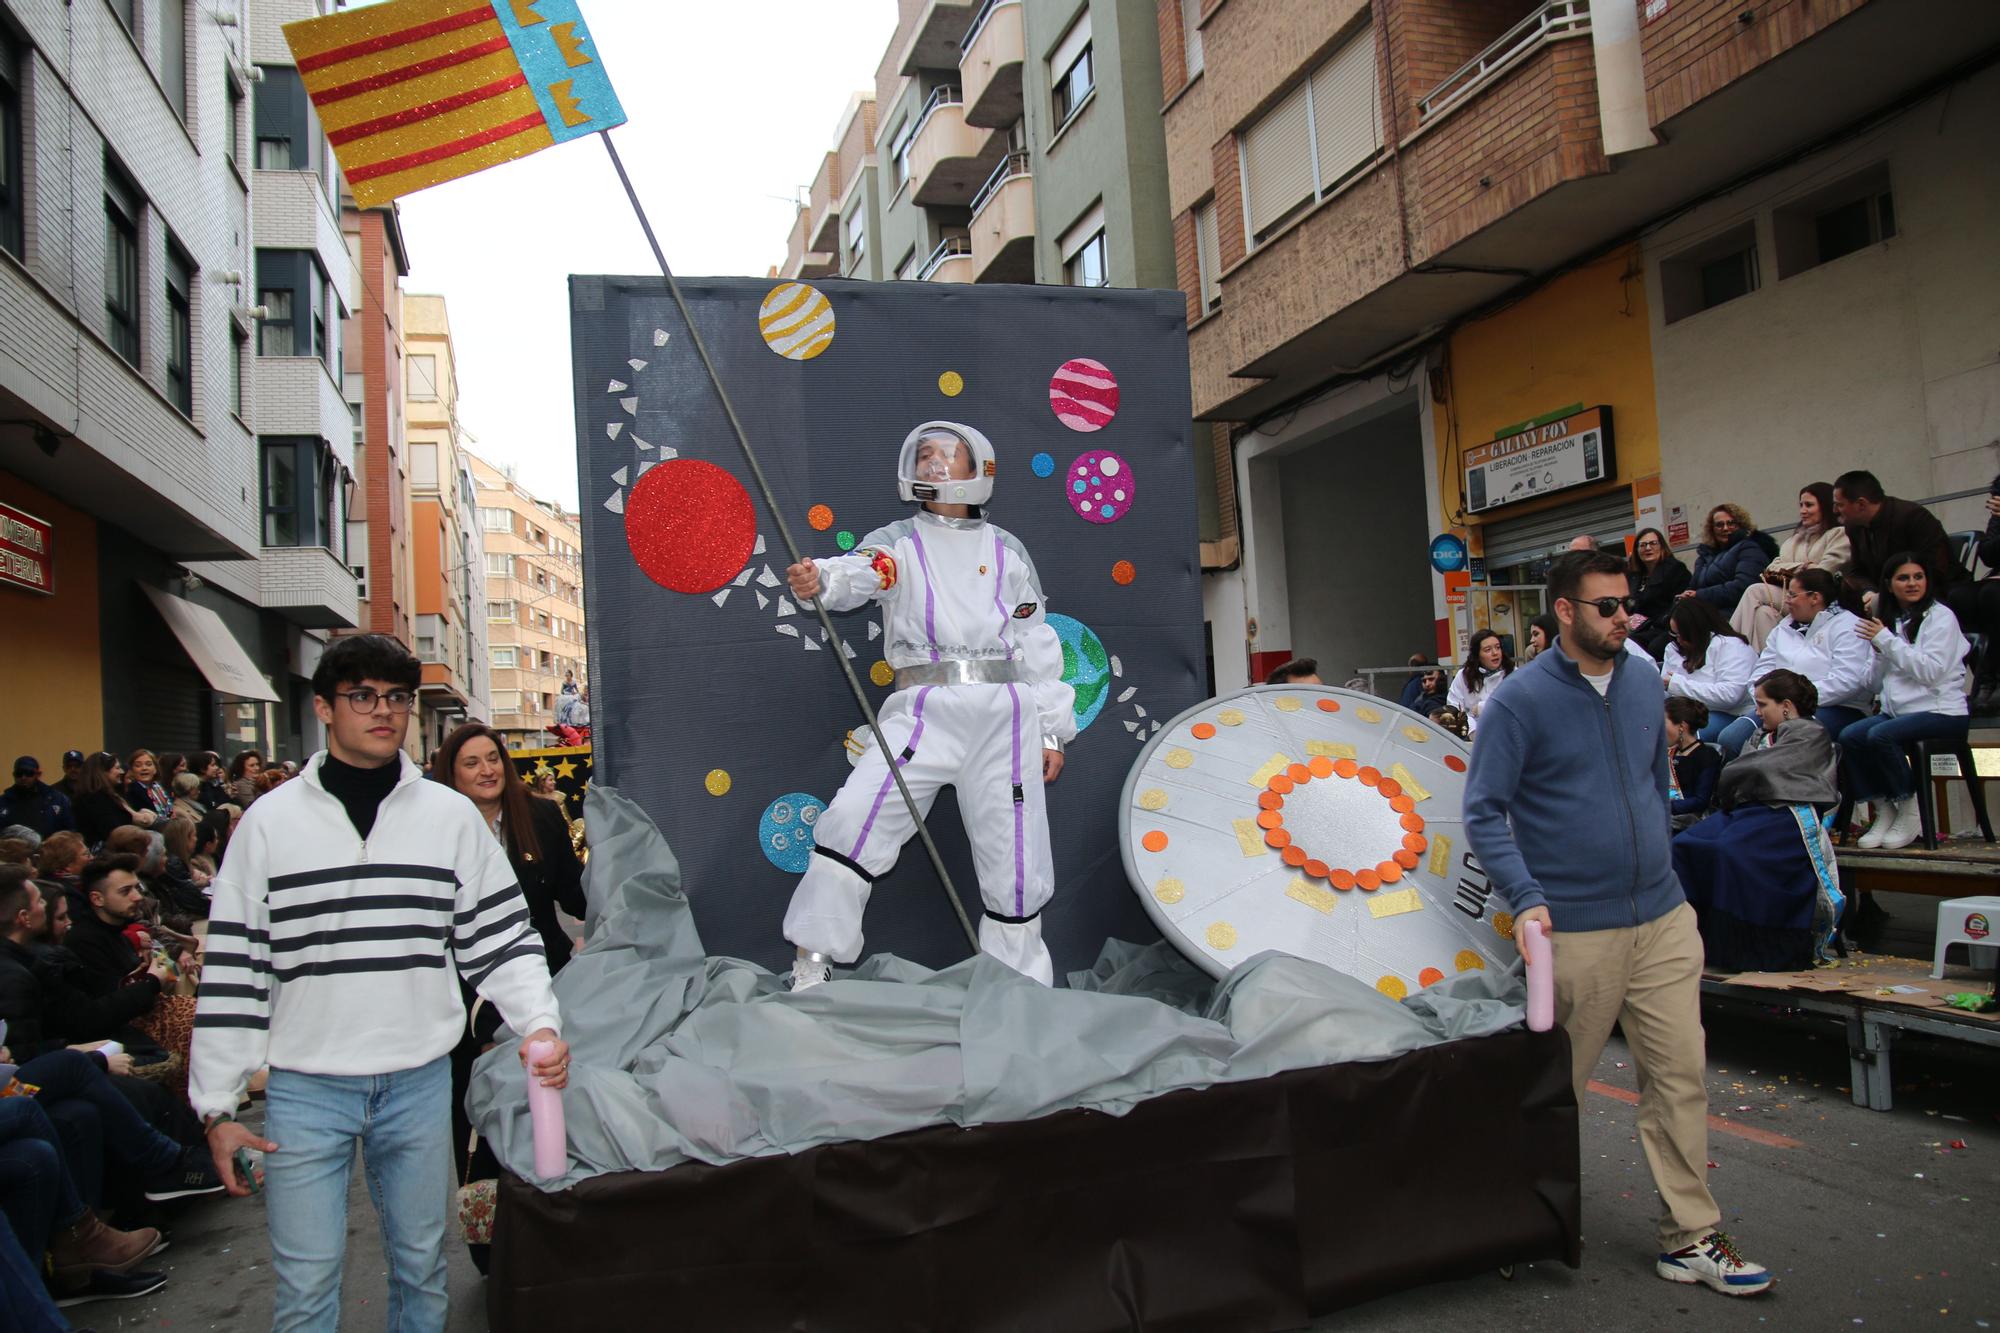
<point x="1042" y="465"/>
<point x="785" y="831"/>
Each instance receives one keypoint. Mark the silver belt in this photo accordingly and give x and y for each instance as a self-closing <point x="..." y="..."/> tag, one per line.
<point x="958" y="671"/>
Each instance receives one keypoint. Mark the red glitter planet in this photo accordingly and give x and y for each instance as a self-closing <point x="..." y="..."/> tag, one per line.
<point x="690" y="525"/>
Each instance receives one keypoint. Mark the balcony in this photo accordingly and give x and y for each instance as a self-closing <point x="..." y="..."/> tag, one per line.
<point x="1547" y="23"/>
<point x="799" y="261"/>
<point x="1003" y="224"/>
<point x="989" y="65"/>
<point x="296" y="395"/>
<point x="823" y="203"/>
<point x="309" y="586"/>
<point x="949" y="159"/>
<point x="933" y="39"/>
<point x="950" y="262"/>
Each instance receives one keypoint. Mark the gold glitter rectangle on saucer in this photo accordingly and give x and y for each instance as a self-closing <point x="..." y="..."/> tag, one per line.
<point x="1332" y="749"/>
<point x="1440" y="856"/>
<point x="1250" y="838"/>
<point x="1411" y="787"/>
<point x="1394" y="904"/>
<point x="1312" y="895"/>
<point x="1273" y="766"/>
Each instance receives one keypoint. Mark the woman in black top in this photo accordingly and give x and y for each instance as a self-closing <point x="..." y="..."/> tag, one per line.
<point x="100" y="803"/>
<point x="1693" y="765"/>
<point x="1657" y="579"/>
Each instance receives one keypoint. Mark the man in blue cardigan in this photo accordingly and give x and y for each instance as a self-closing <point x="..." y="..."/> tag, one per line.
<point x="1566" y="808"/>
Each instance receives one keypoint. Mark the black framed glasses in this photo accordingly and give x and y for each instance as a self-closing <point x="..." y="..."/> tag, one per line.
<point x="1606" y="606"/>
<point x="363" y="700"/>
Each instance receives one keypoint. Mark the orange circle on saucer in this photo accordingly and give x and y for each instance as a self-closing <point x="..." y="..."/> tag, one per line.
<point x="1202" y="730"/>
<point x="1368" y="880"/>
<point x="1320" y="766"/>
<point x="1389" y="871"/>
<point x="1277" y="837"/>
<point x="1317" y="869"/>
<point x="1280" y="784"/>
<point x="1155" y="841"/>
<point x="1329" y="705"/>
<point x="1414" y="823"/>
<point x="1299" y="773"/>
<point x="1341" y="879"/>
<point x="1369" y="776"/>
<point x="1415" y="842"/>
<point x="1270" y="800"/>
<point x="1389" y="787"/>
<point x="1402" y="805"/>
<point x="1270" y="818"/>
<point x="1294" y="855"/>
<point x="1454" y="763"/>
<point x="1347" y="768"/>
<point x="1430" y="976"/>
<point x="1405" y="858"/>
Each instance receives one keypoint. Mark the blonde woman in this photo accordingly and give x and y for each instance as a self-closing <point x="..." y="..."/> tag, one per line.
<point x="1818" y="541"/>
<point x="1732" y="554"/>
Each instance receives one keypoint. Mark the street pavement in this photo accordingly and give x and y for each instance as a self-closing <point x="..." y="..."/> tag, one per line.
<point x="1870" y="1220"/>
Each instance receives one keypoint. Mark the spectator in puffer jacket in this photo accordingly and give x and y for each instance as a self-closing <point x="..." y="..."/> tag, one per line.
<point x="1732" y="555"/>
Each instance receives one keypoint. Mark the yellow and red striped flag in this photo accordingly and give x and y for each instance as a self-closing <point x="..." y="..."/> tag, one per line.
<point x="414" y="92"/>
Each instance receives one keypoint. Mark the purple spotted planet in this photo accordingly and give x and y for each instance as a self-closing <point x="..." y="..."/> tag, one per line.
<point x="1084" y="394"/>
<point x="1100" y="486"/>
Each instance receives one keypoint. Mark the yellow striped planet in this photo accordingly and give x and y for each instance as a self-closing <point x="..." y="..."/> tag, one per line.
<point x="796" y="321"/>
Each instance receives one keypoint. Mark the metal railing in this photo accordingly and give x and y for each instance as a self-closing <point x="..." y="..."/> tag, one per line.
<point x="941" y="96"/>
<point x="1012" y="165"/>
<point x="986" y="12"/>
<point x="1549" y="22"/>
<point x="951" y="247"/>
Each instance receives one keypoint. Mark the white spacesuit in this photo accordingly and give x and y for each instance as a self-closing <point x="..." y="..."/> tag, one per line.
<point x="979" y="696"/>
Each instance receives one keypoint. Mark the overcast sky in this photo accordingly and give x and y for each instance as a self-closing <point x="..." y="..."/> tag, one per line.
<point x="729" y="110"/>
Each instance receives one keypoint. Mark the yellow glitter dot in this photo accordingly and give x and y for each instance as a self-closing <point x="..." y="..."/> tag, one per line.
<point x="1230" y="717"/>
<point x="1169" y="890"/>
<point x="1179" y="758"/>
<point x="1153" y="798"/>
<point x="1221" y="935"/>
<point x="1503" y="925"/>
<point x="951" y="384"/>
<point x="1367" y="715"/>
<point x="1285" y="703"/>
<point x="717" y="782"/>
<point x="1468" y="961"/>
<point x="882" y="674"/>
<point x="1416" y="735"/>
<point x="1392" y="987"/>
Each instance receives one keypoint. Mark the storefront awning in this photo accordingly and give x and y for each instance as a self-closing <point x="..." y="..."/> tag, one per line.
<point x="213" y="648"/>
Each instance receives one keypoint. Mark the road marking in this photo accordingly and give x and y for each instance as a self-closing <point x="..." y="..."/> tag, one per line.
<point x="1715" y="1122"/>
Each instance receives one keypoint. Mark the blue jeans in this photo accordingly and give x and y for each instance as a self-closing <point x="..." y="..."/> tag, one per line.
<point x="36" y="1194"/>
<point x="402" y="1122"/>
<point x="1836" y="718"/>
<point x="96" y="1121"/>
<point x="1717" y="724"/>
<point x="1873" y="751"/>
<point x="23" y="1298"/>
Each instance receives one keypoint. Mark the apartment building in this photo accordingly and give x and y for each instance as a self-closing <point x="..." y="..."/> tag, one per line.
<point x="173" y="444"/>
<point x="534" y="603"/>
<point x="1007" y="141"/>
<point x="1522" y="269"/>
<point x="447" y="549"/>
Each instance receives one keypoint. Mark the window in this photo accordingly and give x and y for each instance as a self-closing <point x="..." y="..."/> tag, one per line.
<point x="911" y="265"/>
<point x="288" y="133"/>
<point x="239" y="347"/>
<point x="121" y="262"/>
<point x="1832" y="223"/>
<point x="424" y="465"/>
<point x="1191" y="35"/>
<point x="1324" y="131"/>
<point x="424" y="377"/>
<point x="856" y="229"/>
<point x="1070" y="70"/>
<point x="301" y="482"/>
<point x="899" y="154"/>
<point x="503" y="659"/>
<point x="499" y="566"/>
<point x="506" y="701"/>
<point x="174" y="54"/>
<point x="292" y="288"/>
<point x="232" y="129"/>
<point x="180" y="329"/>
<point x="1207" y="259"/>
<point x="496" y="520"/>
<point x="1711" y="274"/>
<point x="500" y="611"/>
<point x="1083" y="251"/>
<point x="12" y="209"/>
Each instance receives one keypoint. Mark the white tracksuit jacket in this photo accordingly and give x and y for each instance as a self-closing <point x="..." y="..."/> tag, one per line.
<point x="959" y="589"/>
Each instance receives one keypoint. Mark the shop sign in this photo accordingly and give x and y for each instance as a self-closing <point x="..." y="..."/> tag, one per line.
<point x="1677" y="526"/>
<point x="1540" y="459"/>
<point x="1447" y="552"/>
<point x="25" y="545"/>
<point x="1455" y="584"/>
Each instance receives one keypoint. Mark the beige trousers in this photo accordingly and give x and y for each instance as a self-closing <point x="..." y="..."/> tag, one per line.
<point x="1649" y="979"/>
<point x="1762" y="607"/>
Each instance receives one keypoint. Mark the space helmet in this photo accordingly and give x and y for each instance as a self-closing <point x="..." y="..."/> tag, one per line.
<point x="974" y="490"/>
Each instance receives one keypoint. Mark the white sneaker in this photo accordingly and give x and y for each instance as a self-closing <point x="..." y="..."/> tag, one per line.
<point x="1884" y="812"/>
<point x="1903" y="831"/>
<point x="808" y="972"/>
<point x="1714" y="1262"/>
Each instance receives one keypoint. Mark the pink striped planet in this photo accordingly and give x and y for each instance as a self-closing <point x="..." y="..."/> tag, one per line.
<point x="1084" y="394"/>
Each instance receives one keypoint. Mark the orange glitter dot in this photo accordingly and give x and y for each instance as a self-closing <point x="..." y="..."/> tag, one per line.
<point x="1430" y="976"/>
<point x="1389" y="787"/>
<point x="1405" y="858"/>
<point x="1347" y="768"/>
<point x="1368" y="880"/>
<point x="1317" y="869"/>
<point x="1270" y="819"/>
<point x="1415" y="842"/>
<point x="1280" y="784"/>
<point x="1299" y="773"/>
<point x="1389" y="871"/>
<point x="1123" y="573"/>
<point x="1369" y="776"/>
<point x="1155" y="841"/>
<point x="820" y="517"/>
<point x="1414" y="823"/>
<point x="1329" y="705"/>
<point x="1294" y="855"/>
<point x="1202" y="730"/>
<point x="1341" y="879"/>
<point x="1270" y="800"/>
<point x="1402" y="805"/>
<point x="1277" y="837"/>
<point x="1320" y="766"/>
<point x="1454" y="763"/>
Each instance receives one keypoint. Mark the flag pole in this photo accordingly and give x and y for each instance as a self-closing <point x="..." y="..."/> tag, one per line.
<point x="791" y="547"/>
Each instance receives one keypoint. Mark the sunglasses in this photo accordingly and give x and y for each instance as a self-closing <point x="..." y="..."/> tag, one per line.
<point x="1606" y="606"/>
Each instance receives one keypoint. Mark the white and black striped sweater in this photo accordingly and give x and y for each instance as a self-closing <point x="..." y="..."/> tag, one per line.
<point x="331" y="954"/>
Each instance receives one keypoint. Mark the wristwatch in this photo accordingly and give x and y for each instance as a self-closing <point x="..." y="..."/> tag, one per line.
<point x="210" y="1122"/>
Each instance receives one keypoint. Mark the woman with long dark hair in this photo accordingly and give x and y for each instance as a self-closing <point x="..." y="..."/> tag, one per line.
<point x="1486" y="665"/>
<point x="244" y="771"/>
<point x="1920" y="675"/>
<point x="1543" y="631"/>
<point x="100" y="803"/>
<point x="1818" y="542"/>
<point x="1657" y="579"/>
<point x="207" y="765"/>
<point x="1709" y="662"/>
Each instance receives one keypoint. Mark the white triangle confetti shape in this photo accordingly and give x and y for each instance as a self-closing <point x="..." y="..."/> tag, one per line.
<point x="616" y="386"/>
<point x="636" y="364"/>
<point x="785" y="608"/>
<point x="660" y="337"/>
<point x="1130" y="690"/>
<point x="1156" y="726"/>
<point x="631" y="405"/>
<point x="741" y="579"/>
<point x="811" y="647"/>
<point x="1129" y="726"/>
<point x="619" y="475"/>
<point x="874" y="630"/>
<point x="650" y="462"/>
<point x="1117" y="667"/>
<point x="792" y="630"/>
<point x="847" y="648"/>
<point x="616" y="504"/>
<point x="1139" y="710"/>
<point x="668" y="451"/>
<point x="723" y="596"/>
<point x="612" y="428"/>
<point x="641" y="443"/>
<point x="758" y="549"/>
<point x="767" y="578"/>
<point x="822" y="634"/>
<point x="762" y="600"/>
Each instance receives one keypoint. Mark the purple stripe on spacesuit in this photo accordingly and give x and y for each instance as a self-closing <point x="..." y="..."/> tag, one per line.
<point x="930" y="601"/>
<point x="1000" y="587"/>
<point x="1020" y="850"/>
<point x="889" y="778"/>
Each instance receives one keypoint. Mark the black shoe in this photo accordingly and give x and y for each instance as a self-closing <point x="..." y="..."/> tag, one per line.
<point x="193" y="1174"/>
<point x="103" y="1286"/>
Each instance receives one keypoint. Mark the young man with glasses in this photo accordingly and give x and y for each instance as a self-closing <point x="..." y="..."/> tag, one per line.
<point x="352" y="902"/>
<point x="1566" y="808"/>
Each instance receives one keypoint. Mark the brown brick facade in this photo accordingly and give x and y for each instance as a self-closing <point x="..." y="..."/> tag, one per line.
<point x="1187" y="264"/>
<point x="1229" y="239"/>
<point x="1430" y="39"/>
<point x="1173" y="48"/>
<point x="1698" y="47"/>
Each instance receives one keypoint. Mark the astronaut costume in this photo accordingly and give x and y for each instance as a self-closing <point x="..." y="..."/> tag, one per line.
<point x="979" y="694"/>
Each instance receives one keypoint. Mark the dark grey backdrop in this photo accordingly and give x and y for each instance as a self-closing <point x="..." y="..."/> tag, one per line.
<point x="681" y="686"/>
